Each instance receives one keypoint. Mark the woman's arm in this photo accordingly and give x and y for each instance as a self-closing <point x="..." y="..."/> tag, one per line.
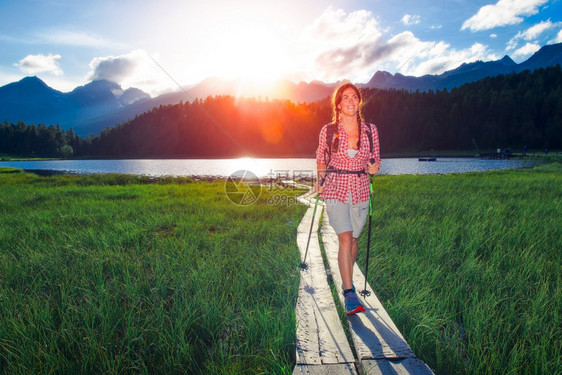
<point x="373" y="168"/>
<point x="321" y="175"/>
<point x="321" y="160"/>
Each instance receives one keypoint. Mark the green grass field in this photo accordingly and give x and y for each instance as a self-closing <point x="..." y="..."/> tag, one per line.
<point x="4" y="157"/>
<point x="111" y="274"/>
<point x="469" y="268"/>
<point x="118" y="274"/>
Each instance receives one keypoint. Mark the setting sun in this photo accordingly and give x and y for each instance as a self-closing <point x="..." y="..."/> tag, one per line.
<point x="249" y="48"/>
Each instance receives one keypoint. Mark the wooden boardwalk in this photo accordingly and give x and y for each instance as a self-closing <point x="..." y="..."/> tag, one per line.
<point x="322" y="347"/>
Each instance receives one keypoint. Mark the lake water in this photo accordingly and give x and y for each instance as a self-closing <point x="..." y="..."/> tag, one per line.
<point x="259" y="167"/>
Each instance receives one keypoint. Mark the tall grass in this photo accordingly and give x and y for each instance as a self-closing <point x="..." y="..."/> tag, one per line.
<point x="119" y="274"/>
<point x="116" y="274"/>
<point x="469" y="268"/>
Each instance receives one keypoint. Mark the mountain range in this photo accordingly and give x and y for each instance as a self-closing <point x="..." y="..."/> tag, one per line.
<point x="100" y="104"/>
<point x="468" y="72"/>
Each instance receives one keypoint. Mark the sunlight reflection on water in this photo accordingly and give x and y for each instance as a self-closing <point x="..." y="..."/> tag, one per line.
<point x="260" y="167"/>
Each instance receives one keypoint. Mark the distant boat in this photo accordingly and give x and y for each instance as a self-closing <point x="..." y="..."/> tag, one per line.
<point x="427" y="159"/>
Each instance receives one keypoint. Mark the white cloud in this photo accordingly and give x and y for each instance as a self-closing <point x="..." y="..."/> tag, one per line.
<point x="436" y="27"/>
<point x="114" y="68"/>
<point x="534" y="31"/>
<point x="410" y="19"/>
<point x="75" y="39"/>
<point x="493" y="36"/>
<point x="351" y="46"/>
<point x="63" y="37"/>
<point x="8" y="38"/>
<point x="440" y="58"/>
<point x="527" y="50"/>
<point x="339" y="45"/>
<point x="504" y="12"/>
<point x="530" y="34"/>
<point x="557" y="39"/>
<point x="334" y="26"/>
<point x="405" y="48"/>
<point x="33" y="64"/>
<point x="134" y="69"/>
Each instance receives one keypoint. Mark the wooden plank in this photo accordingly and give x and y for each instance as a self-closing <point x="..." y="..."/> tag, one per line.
<point x="380" y="346"/>
<point x="320" y="335"/>
<point x="339" y="369"/>
<point x="308" y="198"/>
<point x="375" y="335"/>
<point x="406" y="366"/>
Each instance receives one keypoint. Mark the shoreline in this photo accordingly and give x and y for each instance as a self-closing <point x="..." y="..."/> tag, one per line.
<point x="435" y="167"/>
<point x="390" y="155"/>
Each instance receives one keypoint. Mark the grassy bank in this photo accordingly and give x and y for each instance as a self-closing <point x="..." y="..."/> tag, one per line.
<point x="537" y="155"/>
<point x="5" y="157"/>
<point x="117" y="274"/>
<point x="469" y="268"/>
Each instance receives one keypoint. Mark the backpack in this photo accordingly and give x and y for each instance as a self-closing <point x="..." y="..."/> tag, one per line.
<point x="331" y="130"/>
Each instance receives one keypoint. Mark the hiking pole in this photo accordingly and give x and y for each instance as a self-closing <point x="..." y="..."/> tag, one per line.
<point x="303" y="264"/>
<point x="365" y="292"/>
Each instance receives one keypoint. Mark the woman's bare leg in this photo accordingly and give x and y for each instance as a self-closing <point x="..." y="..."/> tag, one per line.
<point x="347" y="254"/>
<point x="354" y="249"/>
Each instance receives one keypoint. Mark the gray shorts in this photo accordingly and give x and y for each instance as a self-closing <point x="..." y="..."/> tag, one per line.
<point x="347" y="217"/>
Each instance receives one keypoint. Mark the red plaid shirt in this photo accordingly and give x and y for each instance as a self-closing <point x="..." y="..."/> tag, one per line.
<point x="338" y="186"/>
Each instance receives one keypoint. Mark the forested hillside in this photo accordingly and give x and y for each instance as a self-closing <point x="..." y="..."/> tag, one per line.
<point x="505" y="111"/>
<point x="41" y="140"/>
<point x="514" y="110"/>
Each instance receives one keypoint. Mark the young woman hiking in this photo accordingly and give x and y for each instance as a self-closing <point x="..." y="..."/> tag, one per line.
<point x="348" y="153"/>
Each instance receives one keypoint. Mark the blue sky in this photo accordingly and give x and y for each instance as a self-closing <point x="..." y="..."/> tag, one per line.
<point x="142" y="43"/>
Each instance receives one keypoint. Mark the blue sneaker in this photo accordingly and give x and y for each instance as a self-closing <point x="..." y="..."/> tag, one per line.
<point x="352" y="287"/>
<point x="352" y="304"/>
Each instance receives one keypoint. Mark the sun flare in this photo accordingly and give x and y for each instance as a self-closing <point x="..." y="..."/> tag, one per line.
<point x="248" y="48"/>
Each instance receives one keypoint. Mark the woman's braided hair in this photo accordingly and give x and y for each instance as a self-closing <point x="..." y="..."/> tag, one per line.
<point x="336" y="100"/>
